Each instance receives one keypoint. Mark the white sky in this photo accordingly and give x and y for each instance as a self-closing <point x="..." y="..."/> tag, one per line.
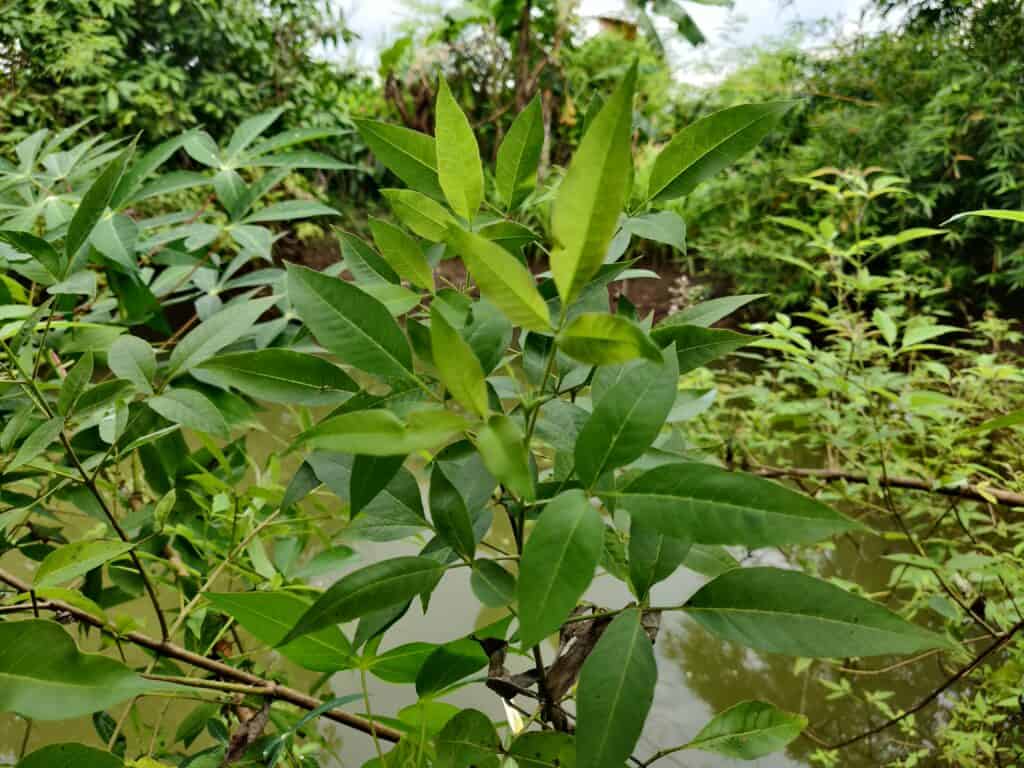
<point x="377" y="22"/>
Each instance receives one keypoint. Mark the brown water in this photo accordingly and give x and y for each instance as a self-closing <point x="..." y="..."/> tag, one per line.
<point x="697" y="674"/>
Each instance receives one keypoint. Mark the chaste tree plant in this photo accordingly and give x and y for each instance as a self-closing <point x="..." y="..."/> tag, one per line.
<point x="432" y="410"/>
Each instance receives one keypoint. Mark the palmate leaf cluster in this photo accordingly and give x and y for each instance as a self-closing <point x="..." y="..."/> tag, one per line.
<point x="515" y="394"/>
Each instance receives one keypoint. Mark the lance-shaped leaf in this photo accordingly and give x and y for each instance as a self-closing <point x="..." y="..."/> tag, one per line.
<point x="493" y="585"/>
<point x="94" y="203"/>
<point x="707" y="146"/>
<point x="779" y="611"/>
<point x="696" y="346"/>
<point x="503" y="447"/>
<point x="403" y="253"/>
<point x="381" y="433"/>
<point x="212" y="335"/>
<point x="350" y="323"/>
<point x="269" y="616"/>
<point x="38" y="441"/>
<point x="558" y="563"/>
<point x="709" y="505"/>
<point x="591" y="196"/>
<point x="989" y="214"/>
<point x="450" y="514"/>
<point x="598" y="338"/>
<point x="133" y="359"/>
<point x="43" y="675"/>
<point x="365" y="264"/>
<point x="409" y="154"/>
<point x="78" y="378"/>
<point x="282" y="376"/>
<point x="502" y="279"/>
<point x="67" y="755"/>
<point x="519" y="155"/>
<point x="749" y="730"/>
<point x="370" y="476"/>
<point x="457" y="364"/>
<point x="76" y="559"/>
<point x="615" y="693"/>
<point x="51" y="262"/>
<point x="627" y="418"/>
<point x="423" y="215"/>
<point x="707" y="313"/>
<point x="458" y="156"/>
<point x="653" y="557"/>
<point x="190" y="409"/>
<point x="373" y="588"/>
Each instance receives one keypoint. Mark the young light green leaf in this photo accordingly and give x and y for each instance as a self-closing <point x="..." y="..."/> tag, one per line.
<point x="450" y="514"/>
<point x="403" y="253"/>
<point x="709" y="145"/>
<point x="627" y="418"/>
<point x="749" y="730"/>
<point x="615" y="693"/>
<point x="75" y="382"/>
<point x="989" y="213"/>
<point x="458" y="156"/>
<point x="76" y="559"/>
<point x="468" y="740"/>
<point x="503" y="447"/>
<point x="375" y="587"/>
<point x="215" y="333"/>
<point x="502" y="279"/>
<point x="457" y="365"/>
<point x="661" y="226"/>
<point x="381" y="433"/>
<point x="707" y="313"/>
<point x="884" y="323"/>
<point x="290" y="210"/>
<point x="350" y="323"/>
<point x="409" y="154"/>
<point x="365" y="264"/>
<point x="493" y="585"/>
<point x="786" y="612"/>
<point x="715" y="506"/>
<point x="598" y="338"/>
<point x="43" y="675"/>
<point x="190" y="409"/>
<point x="268" y="616"/>
<point x="66" y="755"/>
<point x="519" y="155"/>
<point x="585" y="213"/>
<point x="696" y="346"/>
<point x="133" y="359"/>
<point x="423" y="215"/>
<point x="282" y="376"/>
<point x="557" y="565"/>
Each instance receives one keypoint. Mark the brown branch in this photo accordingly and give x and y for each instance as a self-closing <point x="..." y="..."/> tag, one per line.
<point x="970" y="491"/>
<point x="226" y="671"/>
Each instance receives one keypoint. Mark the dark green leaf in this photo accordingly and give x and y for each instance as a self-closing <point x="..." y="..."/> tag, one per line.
<point x="450" y="515"/>
<point x="190" y="409"/>
<point x="448" y="664"/>
<point x="133" y="359"/>
<point x="468" y="740"/>
<point x="696" y="346"/>
<point x="653" y="557"/>
<point x="94" y="203"/>
<point x="282" y="376"/>
<point x="493" y="585"/>
<point x="78" y="378"/>
<point x="70" y="756"/>
<point x="370" y="476"/>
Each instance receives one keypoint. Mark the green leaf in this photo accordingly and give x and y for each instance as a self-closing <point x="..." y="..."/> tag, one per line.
<point x="43" y="676"/>
<point x="711" y="144"/>
<point x="423" y="215"/>
<point x="715" y="506"/>
<point x="543" y="749"/>
<point x="401" y="664"/>
<point x="38" y="441"/>
<point x="403" y="253"/>
<point x="493" y="585"/>
<point x="626" y="419"/>
<point x="458" y="156"/>
<point x="989" y="214"/>
<point x="448" y="664"/>
<point x="450" y="514"/>
<point x="558" y="563"/>
<point x="709" y="560"/>
<point x="370" y="476"/>
<point x="615" y="692"/>
<point x="78" y="378"/>
<point x="468" y="740"/>
<point x="502" y="279"/>
<point x="190" y="409"/>
<point x="373" y="588"/>
<point x="268" y="616"/>
<point x="133" y="359"/>
<point x="597" y="338"/>
<point x="76" y="559"/>
<point x="410" y="155"/>
<point x="70" y="756"/>
<point x="364" y="263"/>
<point x="918" y="334"/>
<point x="457" y="365"/>
<point x="503" y="447"/>
<point x="519" y="155"/>
<point x="290" y="210"/>
<point x="350" y="323"/>
<point x="590" y="198"/>
<point x="696" y="346"/>
<point x="282" y="376"/>
<point x="749" y="730"/>
<point x="381" y="433"/>
<point x="787" y="612"/>
<point x="653" y="557"/>
<point x="212" y="335"/>
<point x="707" y="313"/>
<point x="45" y="255"/>
<point x="94" y="203"/>
<point x="661" y="226"/>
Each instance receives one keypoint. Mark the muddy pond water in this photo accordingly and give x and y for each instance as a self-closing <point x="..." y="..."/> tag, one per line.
<point x="698" y="675"/>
